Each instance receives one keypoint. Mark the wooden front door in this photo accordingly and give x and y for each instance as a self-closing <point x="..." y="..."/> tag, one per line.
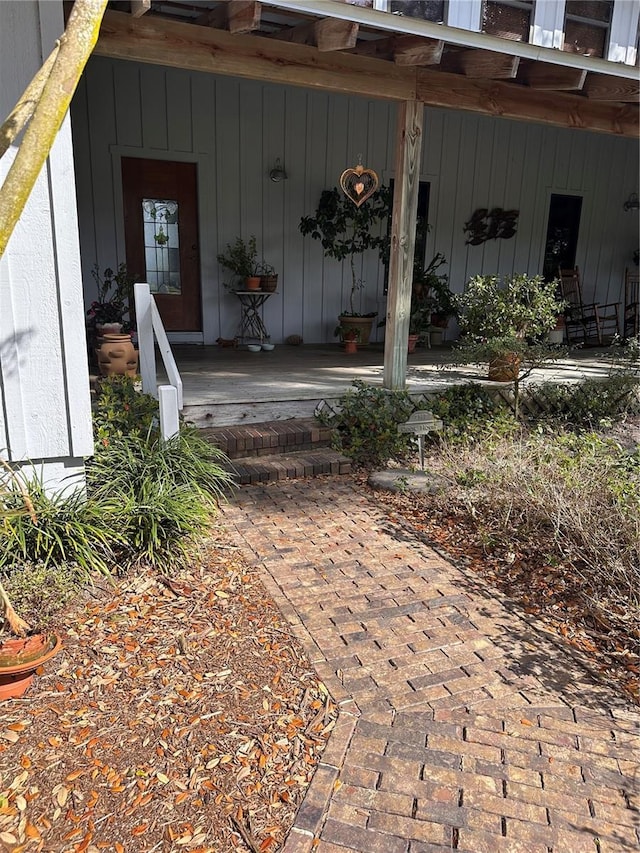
<point x="161" y="234"/>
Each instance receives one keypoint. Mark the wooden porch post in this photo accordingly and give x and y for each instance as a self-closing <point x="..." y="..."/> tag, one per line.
<point x="403" y="238"/>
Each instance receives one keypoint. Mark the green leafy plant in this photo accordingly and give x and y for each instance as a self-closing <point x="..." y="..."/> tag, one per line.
<point x="588" y="404"/>
<point x="367" y="424"/>
<point x="115" y="297"/>
<point x="509" y="319"/>
<point x="241" y="258"/>
<point x="120" y="409"/>
<point x="469" y="412"/>
<point x="346" y="231"/>
<point x="165" y="491"/>
<point x="63" y="528"/>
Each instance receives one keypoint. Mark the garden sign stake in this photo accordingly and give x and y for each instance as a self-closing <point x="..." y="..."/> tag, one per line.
<point x="359" y="184"/>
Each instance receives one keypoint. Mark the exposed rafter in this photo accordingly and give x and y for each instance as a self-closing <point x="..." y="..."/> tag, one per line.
<point x="541" y="75"/>
<point x="481" y="63"/>
<point x="327" y="35"/>
<point x="162" y="42"/>
<point x="140" y="7"/>
<point x="403" y="50"/>
<point x="602" y="88"/>
<point x="237" y="16"/>
<point x="414" y="51"/>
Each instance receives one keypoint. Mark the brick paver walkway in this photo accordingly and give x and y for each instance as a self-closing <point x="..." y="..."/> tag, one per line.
<point x="462" y="726"/>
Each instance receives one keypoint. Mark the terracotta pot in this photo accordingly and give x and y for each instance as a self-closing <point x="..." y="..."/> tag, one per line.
<point x="268" y="283"/>
<point x="252" y="283"/>
<point x="505" y="368"/>
<point x="350" y="347"/>
<point x="19" y="659"/>
<point x="361" y="324"/>
<point x="411" y="342"/>
<point x="117" y="356"/>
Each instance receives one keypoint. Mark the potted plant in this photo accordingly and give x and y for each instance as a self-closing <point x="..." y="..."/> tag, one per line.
<point x="109" y="322"/>
<point x="241" y="258"/>
<point x="21" y="650"/>
<point x="351" y="338"/>
<point x="110" y="312"/>
<point x="432" y="299"/>
<point x="507" y="323"/>
<point x="268" y="277"/>
<point x="345" y="232"/>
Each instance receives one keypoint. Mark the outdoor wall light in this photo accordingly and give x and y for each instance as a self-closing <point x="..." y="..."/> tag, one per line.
<point x="632" y="203"/>
<point x="278" y="173"/>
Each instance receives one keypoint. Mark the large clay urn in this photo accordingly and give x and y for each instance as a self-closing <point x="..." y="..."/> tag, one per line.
<point x="117" y="356"/>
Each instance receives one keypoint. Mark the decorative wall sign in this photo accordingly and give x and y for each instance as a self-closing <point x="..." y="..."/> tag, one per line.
<point x="359" y="184"/>
<point x="491" y="224"/>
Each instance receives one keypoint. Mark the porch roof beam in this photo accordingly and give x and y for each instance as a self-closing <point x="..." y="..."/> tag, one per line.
<point x="182" y="45"/>
<point x="384" y="21"/>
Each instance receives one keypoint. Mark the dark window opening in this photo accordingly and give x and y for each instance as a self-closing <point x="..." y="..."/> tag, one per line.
<point x="562" y="234"/>
<point x="508" y="19"/>
<point x="427" y="10"/>
<point x="586" y="28"/>
<point x="422" y="228"/>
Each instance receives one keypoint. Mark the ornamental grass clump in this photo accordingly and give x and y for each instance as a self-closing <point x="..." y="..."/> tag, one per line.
<point x="166" y="491"/>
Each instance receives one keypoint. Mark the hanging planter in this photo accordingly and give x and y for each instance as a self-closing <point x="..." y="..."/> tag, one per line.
<point x="19" y="660"/>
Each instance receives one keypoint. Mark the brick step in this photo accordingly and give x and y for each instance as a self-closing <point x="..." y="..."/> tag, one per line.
<point x="269" y="438"/>
<point x="283" y="466"/>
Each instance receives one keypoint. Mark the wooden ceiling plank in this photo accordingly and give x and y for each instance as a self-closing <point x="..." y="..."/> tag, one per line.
<point x="413" y="51"/>
<point x="180" y="45"/>
<point x="541" y="75"/>
<point x="513" y="101"/>
<point x="600" y="87"/>
<point x="140" y="7"/>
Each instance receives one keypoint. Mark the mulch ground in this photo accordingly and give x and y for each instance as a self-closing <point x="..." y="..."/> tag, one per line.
<point x="181" y="715"/>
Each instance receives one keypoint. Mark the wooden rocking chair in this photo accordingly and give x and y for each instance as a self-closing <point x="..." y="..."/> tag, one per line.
<point x="586" y="322"/>
<point x="631" y="303"/>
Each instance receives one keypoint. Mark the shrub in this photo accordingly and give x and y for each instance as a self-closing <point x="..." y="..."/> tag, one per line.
<point x="470" y="412"/>
<point x="367" y="424"/>
<point x="165" y="491"/>
<point x="588" y="404"/>
<point x="120" y="409"/>
<point x="67" y="528"/>
<point x="38" y="592"/>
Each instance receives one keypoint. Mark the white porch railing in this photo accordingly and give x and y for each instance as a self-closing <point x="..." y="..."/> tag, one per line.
<point x="150" y="326"/>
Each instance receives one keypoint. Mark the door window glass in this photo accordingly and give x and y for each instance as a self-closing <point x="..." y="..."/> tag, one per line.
<point x="161" y="245"/>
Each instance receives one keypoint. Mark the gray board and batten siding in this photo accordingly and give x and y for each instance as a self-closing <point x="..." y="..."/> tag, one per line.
<point x="234" y="130"/>
<point x="45" y="415"/>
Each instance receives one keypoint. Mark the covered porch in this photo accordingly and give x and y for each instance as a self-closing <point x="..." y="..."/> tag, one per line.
<point x="224" y="386"/>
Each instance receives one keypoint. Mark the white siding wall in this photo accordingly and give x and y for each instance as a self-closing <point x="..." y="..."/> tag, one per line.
<point x="45" y="415"/>
<point x="235" y="130"/>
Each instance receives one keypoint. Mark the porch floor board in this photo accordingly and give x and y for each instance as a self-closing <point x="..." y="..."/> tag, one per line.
<point x="226" y="386"/>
